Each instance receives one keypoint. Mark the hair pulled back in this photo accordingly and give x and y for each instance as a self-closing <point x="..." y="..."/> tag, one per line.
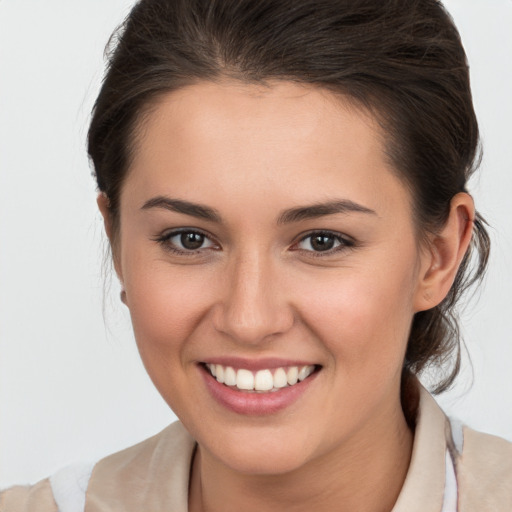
<point x="401" y="59"/>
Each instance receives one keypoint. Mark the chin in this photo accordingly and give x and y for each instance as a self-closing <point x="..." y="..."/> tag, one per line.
<point x="255" y="452"/>
<point x="260" y="462"/>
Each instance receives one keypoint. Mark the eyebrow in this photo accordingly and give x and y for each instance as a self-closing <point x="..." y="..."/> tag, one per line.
<point x="288" y="216"/>
<point x="186" y="207"/>
<point x="322" y="209"/>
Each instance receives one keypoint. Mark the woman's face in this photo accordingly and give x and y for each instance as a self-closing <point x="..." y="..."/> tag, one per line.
<point x="263" y="233"/>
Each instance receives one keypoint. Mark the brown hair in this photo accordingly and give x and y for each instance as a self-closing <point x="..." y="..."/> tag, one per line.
<point x="401" y="59"/>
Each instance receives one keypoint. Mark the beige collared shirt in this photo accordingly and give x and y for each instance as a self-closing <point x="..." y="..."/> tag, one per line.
<point x="153" y="475"/>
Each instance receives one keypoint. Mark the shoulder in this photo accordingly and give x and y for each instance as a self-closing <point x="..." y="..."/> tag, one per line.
<point x="484" y="472"/>
<point x="62" y="492"/>
<point x="482" y="462"/>
<point x="145" y="476"/>
<point x="33" y="498"/>
<point x="125" y="479"/>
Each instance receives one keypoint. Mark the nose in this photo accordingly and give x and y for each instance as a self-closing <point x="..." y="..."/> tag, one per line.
<point x="253" y="308"/>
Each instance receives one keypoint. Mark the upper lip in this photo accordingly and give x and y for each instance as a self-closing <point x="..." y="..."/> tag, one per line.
<point x="257" y="364"/>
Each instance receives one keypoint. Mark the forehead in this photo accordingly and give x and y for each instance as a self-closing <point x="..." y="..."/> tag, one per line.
<point x="282" y="140"/>
<point x="284" y="112"/>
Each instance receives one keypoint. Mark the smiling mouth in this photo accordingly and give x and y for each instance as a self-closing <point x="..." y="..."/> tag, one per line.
<point x="261" y="381"/>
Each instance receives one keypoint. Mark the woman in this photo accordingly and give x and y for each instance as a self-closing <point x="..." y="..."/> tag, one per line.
<point x="284" y="188"/>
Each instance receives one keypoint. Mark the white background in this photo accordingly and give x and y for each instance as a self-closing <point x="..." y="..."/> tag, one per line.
<point x="71" y="384"/>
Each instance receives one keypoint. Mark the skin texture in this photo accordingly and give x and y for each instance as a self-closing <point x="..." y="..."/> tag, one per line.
<point x="257" y="289"/>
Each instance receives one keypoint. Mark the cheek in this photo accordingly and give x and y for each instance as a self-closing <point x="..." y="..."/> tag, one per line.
<point x="166" y="305"/>
<point x="363" y="318"/>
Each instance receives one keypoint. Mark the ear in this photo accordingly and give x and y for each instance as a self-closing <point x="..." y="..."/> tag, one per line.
<point x="104" y="207"/>
<point x="444" y="253"/>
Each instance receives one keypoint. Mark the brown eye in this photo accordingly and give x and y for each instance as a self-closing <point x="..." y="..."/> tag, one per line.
<point x="191" y="241"/>
<point x="185" y="241"/>
<point x="324" y="242"/>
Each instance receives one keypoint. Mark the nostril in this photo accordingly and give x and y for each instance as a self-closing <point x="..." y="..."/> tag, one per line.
<point x="253" y="323"/>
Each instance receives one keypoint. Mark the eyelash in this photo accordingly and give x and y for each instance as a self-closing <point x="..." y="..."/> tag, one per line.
<point x="343" y="241"/>
<point x="164" y="240"/>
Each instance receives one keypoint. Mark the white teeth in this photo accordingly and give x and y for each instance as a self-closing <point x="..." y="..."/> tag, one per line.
<point x="305" y="372"/>
<point x="293" y="375"/>
<point x="219" y="373"/>
<point x="230" y="376"/>
<point x="244" y="380"/>
<point x="262" y="380"/>
<point x="280" y="380"/>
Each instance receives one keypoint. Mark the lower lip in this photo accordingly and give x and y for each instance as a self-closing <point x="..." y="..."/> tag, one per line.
<point x="255" y="404"/>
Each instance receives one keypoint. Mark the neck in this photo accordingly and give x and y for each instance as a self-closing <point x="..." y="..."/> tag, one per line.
<point x="366" y="473"/>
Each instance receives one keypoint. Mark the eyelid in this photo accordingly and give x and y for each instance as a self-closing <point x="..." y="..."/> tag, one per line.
<point x="164" y="240"/>
<point x="345" y="242"/>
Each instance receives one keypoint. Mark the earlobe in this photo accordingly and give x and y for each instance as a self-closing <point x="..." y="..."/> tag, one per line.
<point x="445" y="253"/>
